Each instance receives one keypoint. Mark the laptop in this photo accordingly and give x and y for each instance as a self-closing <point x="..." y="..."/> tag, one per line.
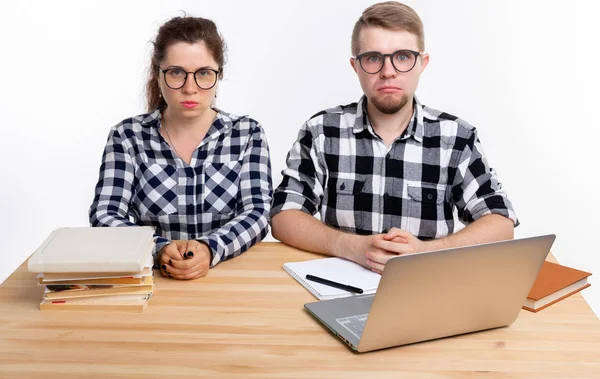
<point x="437" y="294"/>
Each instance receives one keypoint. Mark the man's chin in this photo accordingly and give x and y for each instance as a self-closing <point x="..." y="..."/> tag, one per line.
<point x="389" y="104"/>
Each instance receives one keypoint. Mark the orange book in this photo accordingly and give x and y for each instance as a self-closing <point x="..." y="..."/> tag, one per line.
<point x="554" y="283"/>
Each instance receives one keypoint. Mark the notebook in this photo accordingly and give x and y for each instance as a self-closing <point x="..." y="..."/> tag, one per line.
<point x="334" y="269"/>
<point x="101" y="249"/>
<point x="553" y="284"/>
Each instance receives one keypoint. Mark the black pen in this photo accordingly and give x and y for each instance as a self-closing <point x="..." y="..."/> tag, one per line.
<point x="333" y="284"/>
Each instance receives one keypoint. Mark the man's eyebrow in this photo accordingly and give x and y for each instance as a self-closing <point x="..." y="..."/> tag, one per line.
<point x="200" y="68"/>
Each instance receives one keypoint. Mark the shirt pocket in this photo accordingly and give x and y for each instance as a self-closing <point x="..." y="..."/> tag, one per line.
<point x="426" y="207"/>
<point x="221" y="187"/>
<point x="156" y="193"/>
<point x="342" y="207"/>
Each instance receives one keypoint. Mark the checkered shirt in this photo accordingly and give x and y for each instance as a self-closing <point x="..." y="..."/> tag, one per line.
<point x="342" y="169"/>
<point x="221" y="198"/>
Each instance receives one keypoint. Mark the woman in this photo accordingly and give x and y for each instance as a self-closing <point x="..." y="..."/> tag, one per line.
<point x="200" y="176"/>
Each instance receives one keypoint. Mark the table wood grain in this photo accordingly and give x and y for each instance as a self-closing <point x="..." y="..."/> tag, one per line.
<point x="246" y="319"/>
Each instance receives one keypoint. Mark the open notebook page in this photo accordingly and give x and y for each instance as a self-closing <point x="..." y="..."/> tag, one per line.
<point x="335" y="269"/>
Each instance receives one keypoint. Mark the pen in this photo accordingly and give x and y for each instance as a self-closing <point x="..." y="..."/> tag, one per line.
<point x="333" y="284"/>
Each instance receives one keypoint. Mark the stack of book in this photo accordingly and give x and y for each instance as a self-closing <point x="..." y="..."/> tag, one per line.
<point x="96" y="269"/>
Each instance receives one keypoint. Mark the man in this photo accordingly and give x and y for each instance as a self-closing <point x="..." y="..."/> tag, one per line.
<point x="386" y="173"/>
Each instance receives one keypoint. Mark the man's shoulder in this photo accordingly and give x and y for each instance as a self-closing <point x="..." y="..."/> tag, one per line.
<point x="443" y="123"/>
<point x="337" y="111"/>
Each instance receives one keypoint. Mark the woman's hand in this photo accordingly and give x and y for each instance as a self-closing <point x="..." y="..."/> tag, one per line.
<point x="184" y="260"/>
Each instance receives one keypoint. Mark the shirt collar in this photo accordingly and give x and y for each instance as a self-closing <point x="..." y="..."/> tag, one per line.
<point x="414" y="129"/>
<point x="151" y="118"/>
<point x="222" y="122"/>
<point x="361" y="122"/>
<point x="416" y="126"/>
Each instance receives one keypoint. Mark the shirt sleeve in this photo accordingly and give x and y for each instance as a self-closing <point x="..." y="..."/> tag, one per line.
<point x="302" y="187"/>
<point x="250" y="226"/>
<point x="476" y="190"/>
<point x="113" y="192"/>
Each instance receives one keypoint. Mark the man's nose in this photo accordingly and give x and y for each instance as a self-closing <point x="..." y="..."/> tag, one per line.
<point x="388" y="70"/>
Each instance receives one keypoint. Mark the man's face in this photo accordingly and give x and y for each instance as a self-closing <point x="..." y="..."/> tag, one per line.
<point x="389" y="90"/>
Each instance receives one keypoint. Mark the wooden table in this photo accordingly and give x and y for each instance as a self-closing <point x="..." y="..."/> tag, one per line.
<point x="246" y="319"/>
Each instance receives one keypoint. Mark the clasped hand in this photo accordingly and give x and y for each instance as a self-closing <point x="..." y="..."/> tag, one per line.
<point x="184" y="260"/>
<point x="396" y="242"/>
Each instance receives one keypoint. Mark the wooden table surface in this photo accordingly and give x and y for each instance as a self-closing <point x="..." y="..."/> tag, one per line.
<point x="246" y="319"/>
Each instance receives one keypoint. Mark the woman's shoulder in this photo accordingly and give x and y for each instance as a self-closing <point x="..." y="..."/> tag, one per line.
<point x="241" y="123"/>
<point x="135" y="125"/>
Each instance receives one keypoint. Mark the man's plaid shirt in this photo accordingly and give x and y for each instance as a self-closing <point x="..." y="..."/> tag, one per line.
<point x="340" y="168"/>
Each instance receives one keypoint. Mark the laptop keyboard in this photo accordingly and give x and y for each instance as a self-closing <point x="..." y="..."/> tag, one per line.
<point x="354" y="324"/>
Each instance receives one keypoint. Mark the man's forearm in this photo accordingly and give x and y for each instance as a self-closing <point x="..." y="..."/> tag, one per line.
<point x="490" y="228"/>
<point x="298" y="229"/>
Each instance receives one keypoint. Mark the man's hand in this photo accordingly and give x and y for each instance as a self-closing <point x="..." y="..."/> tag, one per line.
<point x="385" y="246"/>
<point x="184" y="260"/>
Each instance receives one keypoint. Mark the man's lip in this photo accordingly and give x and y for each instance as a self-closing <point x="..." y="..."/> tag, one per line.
<point x="390" y="88"/>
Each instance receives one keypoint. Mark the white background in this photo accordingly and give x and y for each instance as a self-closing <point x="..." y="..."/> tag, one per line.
<point x="525" y="73"/>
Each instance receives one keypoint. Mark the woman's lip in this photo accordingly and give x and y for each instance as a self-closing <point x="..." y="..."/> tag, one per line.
<point x="189" y="104"/>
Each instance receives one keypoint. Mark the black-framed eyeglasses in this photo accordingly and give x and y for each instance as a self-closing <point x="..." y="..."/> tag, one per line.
<point x="403" y="60"/>
<point x="205" y="78"/>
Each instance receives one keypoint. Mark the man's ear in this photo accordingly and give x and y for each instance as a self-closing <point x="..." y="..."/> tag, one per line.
<point x="353" y="64"/>
<point x="424" y="61"/>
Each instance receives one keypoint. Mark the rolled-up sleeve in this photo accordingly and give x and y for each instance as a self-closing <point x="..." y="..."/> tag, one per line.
<point x="303" y="179"/>
<point x="476" y="190"/>
<point x="113" y="192"/>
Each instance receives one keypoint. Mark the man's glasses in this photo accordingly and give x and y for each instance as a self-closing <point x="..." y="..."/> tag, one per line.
<point x="403" y="60"/>
<point x="205" y="78"/>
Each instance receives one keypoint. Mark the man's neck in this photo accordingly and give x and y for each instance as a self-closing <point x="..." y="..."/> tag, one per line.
<point x="390" y="126"/>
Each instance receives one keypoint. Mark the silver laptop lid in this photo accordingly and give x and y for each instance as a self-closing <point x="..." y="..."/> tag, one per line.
<point x="447" y="292"/>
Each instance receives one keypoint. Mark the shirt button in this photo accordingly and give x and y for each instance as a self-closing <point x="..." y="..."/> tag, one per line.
<point x="430" y="196"/>
<point x="192" y="236"/>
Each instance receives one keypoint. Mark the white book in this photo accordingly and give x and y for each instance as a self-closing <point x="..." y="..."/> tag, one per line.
<point x="99" y="249"/>
<point x="334" y="269"/>
<point x="47" y="277"/>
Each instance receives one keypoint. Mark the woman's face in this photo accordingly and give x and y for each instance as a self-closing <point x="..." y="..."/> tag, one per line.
<point x="190" y="100"/>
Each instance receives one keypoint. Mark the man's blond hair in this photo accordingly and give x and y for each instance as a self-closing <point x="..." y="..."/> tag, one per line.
<point x="389" y="15"/>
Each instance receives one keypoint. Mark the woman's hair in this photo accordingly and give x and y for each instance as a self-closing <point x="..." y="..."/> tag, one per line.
<point x="181" y="29"/>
